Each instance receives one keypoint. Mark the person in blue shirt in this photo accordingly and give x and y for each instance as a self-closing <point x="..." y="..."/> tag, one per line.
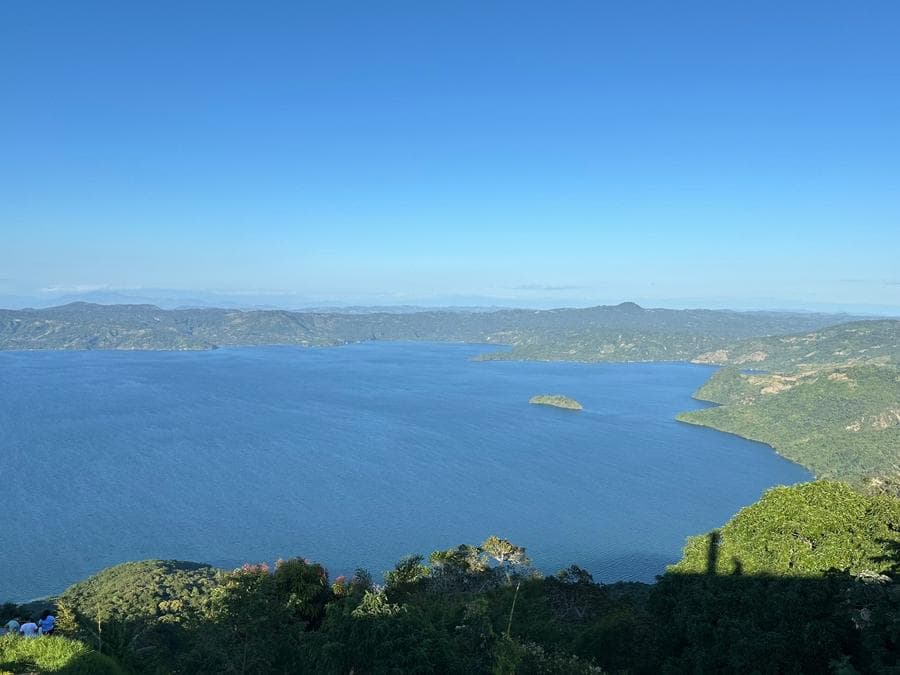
<point x="47" y="623"/>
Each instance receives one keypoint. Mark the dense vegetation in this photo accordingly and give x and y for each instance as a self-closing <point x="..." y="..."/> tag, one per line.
<point x="557" y="401"/>
<point x="840" y="422"/>
<point x="858" y="342"/>
<point x="831" y="401"/>
<point x="802" y="581"/>
<point x="802" y="530"/>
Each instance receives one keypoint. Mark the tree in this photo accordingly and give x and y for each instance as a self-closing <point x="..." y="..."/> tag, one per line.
<point x="507" y="554"/>
<point x="245" y="624"/>
<point x="458" y="569"/>
<point x="406" y="572"/>
<point x="302" y="588"/>
<point x="464" y="559"/>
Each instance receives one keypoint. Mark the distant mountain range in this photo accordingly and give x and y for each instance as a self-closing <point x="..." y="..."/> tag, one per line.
<point x="529" y="297"/>
<point x="624" y="332"/>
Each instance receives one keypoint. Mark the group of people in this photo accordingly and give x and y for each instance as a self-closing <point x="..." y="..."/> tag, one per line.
<point x="31" y="628"/>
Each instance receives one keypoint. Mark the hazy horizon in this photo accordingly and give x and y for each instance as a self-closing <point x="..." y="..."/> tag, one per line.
<point x="249" y="300"/>
<point x="514" y="155"/>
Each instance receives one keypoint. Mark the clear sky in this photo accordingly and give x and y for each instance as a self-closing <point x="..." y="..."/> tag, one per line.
<point x="708" y="153"/>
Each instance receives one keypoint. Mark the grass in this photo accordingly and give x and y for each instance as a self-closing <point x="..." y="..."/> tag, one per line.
<point x="53" y="654"/>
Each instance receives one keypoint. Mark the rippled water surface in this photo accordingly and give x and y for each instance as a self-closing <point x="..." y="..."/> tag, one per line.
<point x="353" y="456"/>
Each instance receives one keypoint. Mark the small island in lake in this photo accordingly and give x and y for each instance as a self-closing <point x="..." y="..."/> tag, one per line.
<point x="557" y="401"/>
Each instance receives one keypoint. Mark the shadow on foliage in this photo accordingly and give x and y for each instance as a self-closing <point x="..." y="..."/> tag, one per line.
<point x="708" y="622"/>
<point x="698" y="623"/>
<point x="891" y="558"/>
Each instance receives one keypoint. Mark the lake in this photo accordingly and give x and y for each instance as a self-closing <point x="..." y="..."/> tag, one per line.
<point x="354" y="456"/>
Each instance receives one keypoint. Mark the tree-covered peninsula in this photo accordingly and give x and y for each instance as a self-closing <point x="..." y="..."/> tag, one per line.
<point x="556" y="401"/>
<point x="828" y="399"/>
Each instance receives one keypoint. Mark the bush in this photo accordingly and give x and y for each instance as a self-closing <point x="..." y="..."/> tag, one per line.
<point x="141" y="612"/>
<point x="802" y="530"/>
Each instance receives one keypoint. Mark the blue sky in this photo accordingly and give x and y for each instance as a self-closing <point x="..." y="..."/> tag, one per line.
<point x="696" y="153"/>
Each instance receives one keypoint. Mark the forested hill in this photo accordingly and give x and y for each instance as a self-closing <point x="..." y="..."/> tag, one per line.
<point x="828" y="399"/>
<point x="858" y="342"/>
<point x="624" y="332"/>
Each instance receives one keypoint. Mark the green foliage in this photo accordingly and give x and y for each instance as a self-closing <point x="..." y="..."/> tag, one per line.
<point x="357" y="585"/>
<point x="746" y="624"/>
<point x="53" y="654"/>
<point x="467" y="567"/>
<point x="801" y="530"/>
<point x="434" y="634"/>
<point x="375" y="604"/>
<point x="408" y="571"/>
<point x="66" y="619"/>
<point x="464" y="559"/>
<point x="529" y="658"/>
<point x="730" y="385"/>
<point x="462" y="568"/>
<point x="789" y="584"/>
<point x="593" y="621"/>
<point x="141" y="612"/>
<point x="629" y="333"/>
<point x="247" y="625"/>
<point x="256" y="620"/>
<point x="302" y="588"/>
<point x="163" y="590"/>
<point x="507" y="555"/>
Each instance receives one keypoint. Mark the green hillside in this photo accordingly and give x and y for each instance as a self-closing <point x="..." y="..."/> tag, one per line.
<point x="873" y="341"/>
<point x="801" y="530"/>
<point x="830" y="402"/>
<point x="840" y="422"/>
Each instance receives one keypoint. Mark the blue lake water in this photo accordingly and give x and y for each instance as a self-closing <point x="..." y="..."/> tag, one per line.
<point x="354" y="456"/>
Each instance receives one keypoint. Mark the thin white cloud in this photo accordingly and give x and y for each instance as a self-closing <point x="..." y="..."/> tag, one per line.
<point x="76" y="288"/>
<point x="547" y="287"/>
